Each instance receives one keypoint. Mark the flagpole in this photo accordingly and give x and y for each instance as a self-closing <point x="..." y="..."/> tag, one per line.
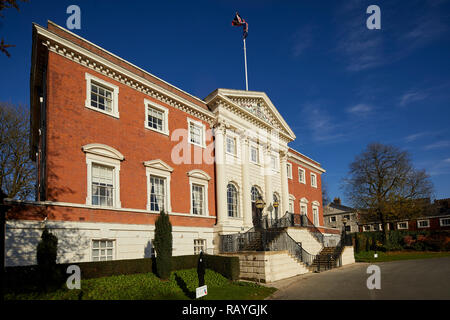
<point x="245" y="61"/>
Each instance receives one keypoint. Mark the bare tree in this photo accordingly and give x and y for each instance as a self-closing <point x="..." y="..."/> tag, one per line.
<point x="17" y="171"/>
<point x="384" y="185"/>
<point x="5" y="4"/>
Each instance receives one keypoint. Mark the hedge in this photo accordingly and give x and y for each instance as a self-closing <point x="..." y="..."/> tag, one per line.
<point x="27" y="276"/>
<point x="422" y="240"/>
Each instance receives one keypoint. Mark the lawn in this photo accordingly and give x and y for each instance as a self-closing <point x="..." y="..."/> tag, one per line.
<point x="368" y="256"/>
<point x="180" y="286"/>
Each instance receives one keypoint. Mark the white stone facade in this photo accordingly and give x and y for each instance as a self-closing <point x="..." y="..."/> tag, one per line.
<point x="75" y="240"/>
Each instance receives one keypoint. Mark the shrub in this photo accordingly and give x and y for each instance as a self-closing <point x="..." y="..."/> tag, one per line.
<point x="46" y="254"/>
<point x="422" y="240"/>
<point x="163" y="245"/>
<point x="47" y="250"/>
<point x="226" y="266"/>
<point x="25" y="278"/>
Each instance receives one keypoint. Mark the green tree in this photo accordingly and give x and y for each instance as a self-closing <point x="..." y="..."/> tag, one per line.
<point x="383" y="184"/>
<point x="163" y="246"/>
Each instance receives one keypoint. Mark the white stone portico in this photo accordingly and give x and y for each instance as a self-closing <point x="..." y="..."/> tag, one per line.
<point x="256" y="155"/>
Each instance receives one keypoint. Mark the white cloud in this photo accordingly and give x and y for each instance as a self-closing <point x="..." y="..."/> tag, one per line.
<point x="302" y="40"/>
<point x="416" y="136"/>
<point x="412" y="96"/>
<point x="323" y="127"/>
<point x="360" y="109"/>
<point x="364" y="49"/>
<point x="437" y="145"/>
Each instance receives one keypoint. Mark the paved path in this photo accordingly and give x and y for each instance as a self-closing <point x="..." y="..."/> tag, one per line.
<point x="407" y="279"/>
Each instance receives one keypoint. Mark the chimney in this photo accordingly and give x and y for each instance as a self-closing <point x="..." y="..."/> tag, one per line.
<point x="337" y="200"/>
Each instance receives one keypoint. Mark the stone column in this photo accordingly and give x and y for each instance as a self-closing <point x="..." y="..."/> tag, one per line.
<point x="268" y="174"/>
<point x="284" y="184"/>
<point x="246" y="188"/>
<point x="221" y="184"/>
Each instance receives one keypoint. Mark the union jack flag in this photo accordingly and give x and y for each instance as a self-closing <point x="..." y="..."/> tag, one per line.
<point x="238" y="21"/>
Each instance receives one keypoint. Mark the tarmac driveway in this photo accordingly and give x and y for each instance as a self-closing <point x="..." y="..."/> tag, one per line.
<point x="407" y="279"/>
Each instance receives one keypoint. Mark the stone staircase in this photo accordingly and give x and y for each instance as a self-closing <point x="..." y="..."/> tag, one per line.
<point x="327" y="259"/>
<point x="268" y="266"/>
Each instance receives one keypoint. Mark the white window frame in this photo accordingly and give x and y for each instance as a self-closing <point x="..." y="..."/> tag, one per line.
<point x="254" y="146"/>
<point x="203" y="131"/>
<point x="304" y="175"/>
<point x="159" y="168"/>
<point x="398" y="225"/>
<point x="334" y="219"/>
<point x="201" y="178"/>
<point x="274" y="162"/>
<point x="150" y="104"/>
<point x="441" y="220"/>
<point x="316" y="207"/>
<point x="289" y="170"/>
<point x="314" y="185"/>
<point x="203" y="245"/>
<point x="113" y="88"/>
<point x="366" y="228"/>
<point x="238" y="203"/>
<point x="291" y="201"/>
<point x="91" y="256"/>
<point x="105" y="156"/>
<point x="304" y="204"/>
<point x="234" y="153"/>
<point x="424" y="220"/>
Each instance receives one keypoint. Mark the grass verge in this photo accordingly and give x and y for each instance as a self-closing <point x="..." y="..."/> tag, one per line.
<point x="146" y="286"/>
<point x="368" y="256"/>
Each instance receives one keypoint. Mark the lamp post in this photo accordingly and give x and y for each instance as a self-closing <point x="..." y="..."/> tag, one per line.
<point x="260" y="204"/>
<point x="276" y="204"/>
<point x="344" y="221"/>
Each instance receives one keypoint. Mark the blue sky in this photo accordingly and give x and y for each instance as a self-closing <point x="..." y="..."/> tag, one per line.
<point x="339" y="85"/>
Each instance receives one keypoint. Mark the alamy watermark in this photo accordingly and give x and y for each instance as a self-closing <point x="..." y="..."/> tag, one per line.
<point x="374" y="280"/>
<point x="374" y="20"/>
<point x="74" y="20"/>
<point x="74" y="280"/>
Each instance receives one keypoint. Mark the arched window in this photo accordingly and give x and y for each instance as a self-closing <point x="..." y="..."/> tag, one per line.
<point x="232" y="200"/>
<point x="255" y="193"/>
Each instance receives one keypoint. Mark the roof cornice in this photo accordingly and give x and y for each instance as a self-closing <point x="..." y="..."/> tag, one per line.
<point x="306" y="162"/>
<point x="80" y="55"/>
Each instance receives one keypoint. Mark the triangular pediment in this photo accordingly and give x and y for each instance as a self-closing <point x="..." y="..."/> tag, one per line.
<point x="255" y="103"/>
<point x="158" y="164"/>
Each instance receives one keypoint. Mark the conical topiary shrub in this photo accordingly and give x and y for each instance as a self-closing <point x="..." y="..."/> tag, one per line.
<point x="46" y="255"/>
<point x="163" y="246"/>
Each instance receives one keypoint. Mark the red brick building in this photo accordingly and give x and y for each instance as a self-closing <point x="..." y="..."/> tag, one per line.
<point x="114" y="145"/>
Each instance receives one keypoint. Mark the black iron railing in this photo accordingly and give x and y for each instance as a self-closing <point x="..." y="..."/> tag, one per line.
<point x="265" y="240"/>
<point x="293" y="220"/>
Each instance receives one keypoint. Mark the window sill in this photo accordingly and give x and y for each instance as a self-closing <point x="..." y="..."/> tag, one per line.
<point x="231" y="154"/>
<point x="111" y="114"/>
<point x="197" y="145"/>
<point x="166" y="133"/>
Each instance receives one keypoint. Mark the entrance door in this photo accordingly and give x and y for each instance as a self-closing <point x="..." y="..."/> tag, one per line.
<point x="256" y="216"/>
<point x="256" y="213"/>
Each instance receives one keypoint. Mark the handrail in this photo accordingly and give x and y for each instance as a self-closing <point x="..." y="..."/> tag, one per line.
<point x="291" y="220"/>
<point x="265" y="240"/>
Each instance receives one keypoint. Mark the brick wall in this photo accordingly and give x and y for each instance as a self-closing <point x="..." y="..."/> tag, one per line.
<point x="71" y="125"/>
<point x="300" y="190"/>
